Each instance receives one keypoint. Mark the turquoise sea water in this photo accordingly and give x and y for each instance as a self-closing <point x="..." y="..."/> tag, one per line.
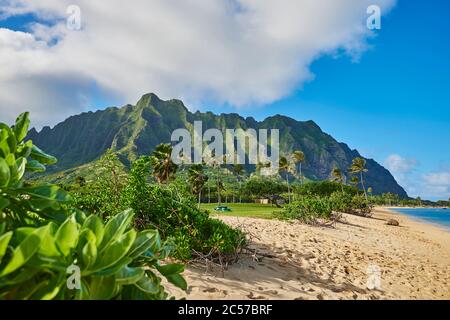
<point x="436" y="216"/>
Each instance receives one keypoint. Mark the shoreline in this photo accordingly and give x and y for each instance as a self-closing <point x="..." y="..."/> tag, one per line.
<point x="413" y="218"/>
<point x="297" y="261"/>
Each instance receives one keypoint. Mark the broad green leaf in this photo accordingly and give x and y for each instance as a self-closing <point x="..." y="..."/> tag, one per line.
<point x="46" y="192"/>
<point x="170" y="269"/>
<point x="21" y="126"/>
<point x="102" y="288"/>
<point x="42" y="157"/>
<point x="178" y="281"/>
<point x="21" y="164"/>
<point x="26" y="249"/>
<point x="23" y="276"/>
<point x="143" y="242"/>
<point x="5" y="173"/>
<point x="52" y="211"/>
<point x="89" y="253"/>
<point x="42" y="262"/>
<point x="35" y="166"/>
<point x="24" y="149"/>
<point x="3" y="203"/>
<point x="148" y="284"/>
<point x="116" y="227"/>
<point x="83" y="292"/>
<point x="67" y="236"/>
<point x="10" y="160"/>
<point x="115" y="251"/>
<point x="47" y="235"/>
<point x="4" y="148"/>
<point x="128" y="275"/>
<point x="21" y="233"/>
<point x="4" y="241"/>
<point x="95" y="224"/>
<point x="51" y="288"/>
<point x="7" y="136"/>
<point x="114" y="268"/>
<point x="42" y="204"/>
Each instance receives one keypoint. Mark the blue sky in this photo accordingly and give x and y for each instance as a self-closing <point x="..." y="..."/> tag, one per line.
<point x="394" y="100"/>
<point x="392" y="104"/>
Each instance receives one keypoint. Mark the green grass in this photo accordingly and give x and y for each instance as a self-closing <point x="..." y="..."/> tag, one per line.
<point x="252" y="210"/>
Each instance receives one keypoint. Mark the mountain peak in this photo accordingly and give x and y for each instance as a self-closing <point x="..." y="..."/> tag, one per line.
<point x="148" y="99"/>
<point x="136" y="130"/>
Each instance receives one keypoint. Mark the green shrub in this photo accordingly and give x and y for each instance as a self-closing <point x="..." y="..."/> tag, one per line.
<point x="23" y="204"/>
<point x="114" y="261"/>
<point x="42" y="238"/>
<point x="356" y="204"/>
<point x="309" y="210"/>
<point x="103" y="195"/>
<point x="323" y="188"/>
<point x="360" y="206"/>
<point x="175" y="214"/>
<point x="341" y="202"/>
<point x="264" y="187"/>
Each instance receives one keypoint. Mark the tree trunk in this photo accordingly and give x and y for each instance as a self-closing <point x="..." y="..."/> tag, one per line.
<point x="240" y="191"/>
<point x="289" y="189"/>
<point x="199" y="198"/>
<point x="300" y="171"/>
<point x="364" y="188"/>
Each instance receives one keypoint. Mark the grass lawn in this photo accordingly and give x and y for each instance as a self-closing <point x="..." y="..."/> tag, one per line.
<point x="252" y="210"/>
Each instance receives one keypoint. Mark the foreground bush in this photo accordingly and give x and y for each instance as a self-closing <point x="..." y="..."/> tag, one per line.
<point x="109" y="261"/>
<point x="43" y="239"/>
<point x="310" y="210"/>
<point x="22" y="204"/>
<point x="175" y="214"/>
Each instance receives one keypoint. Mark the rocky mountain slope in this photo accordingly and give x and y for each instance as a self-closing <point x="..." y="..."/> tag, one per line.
<point x="135" y="130"/>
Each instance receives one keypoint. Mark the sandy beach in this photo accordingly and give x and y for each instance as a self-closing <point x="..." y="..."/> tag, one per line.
<point x="296" y="261"/>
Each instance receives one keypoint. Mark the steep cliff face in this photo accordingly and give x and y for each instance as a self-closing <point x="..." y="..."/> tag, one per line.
<point x="136" y="130"/>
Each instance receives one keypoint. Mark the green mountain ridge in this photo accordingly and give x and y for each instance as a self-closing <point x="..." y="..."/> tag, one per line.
<point x="135" y="130"/>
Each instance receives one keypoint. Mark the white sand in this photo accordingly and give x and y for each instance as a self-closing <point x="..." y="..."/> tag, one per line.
<point x="324" y="263"/>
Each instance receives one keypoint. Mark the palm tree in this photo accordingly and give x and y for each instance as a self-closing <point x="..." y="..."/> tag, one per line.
<point x="338" y="176"/>
<point x="238" y="170"/>
<point x="197" y="178"/>
<point x="261" y="165"/>
<point x="358" y="166"/>
<point x="299" y="157"/>
<point x="226" y="175"/>
<point x="354" y="181"/>
<point x="219" y="184"/>
<point x="164" y="169"/>
<point x="286" y="167"/>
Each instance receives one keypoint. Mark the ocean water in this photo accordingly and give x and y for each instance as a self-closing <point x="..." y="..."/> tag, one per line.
<point x="433" y="215"/>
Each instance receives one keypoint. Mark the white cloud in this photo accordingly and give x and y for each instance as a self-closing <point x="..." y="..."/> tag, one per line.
<point x="399" y="165"/>
<point x="240" y="52"/>
<point x="437" y="185"/>
<point x="432" y="185"/>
